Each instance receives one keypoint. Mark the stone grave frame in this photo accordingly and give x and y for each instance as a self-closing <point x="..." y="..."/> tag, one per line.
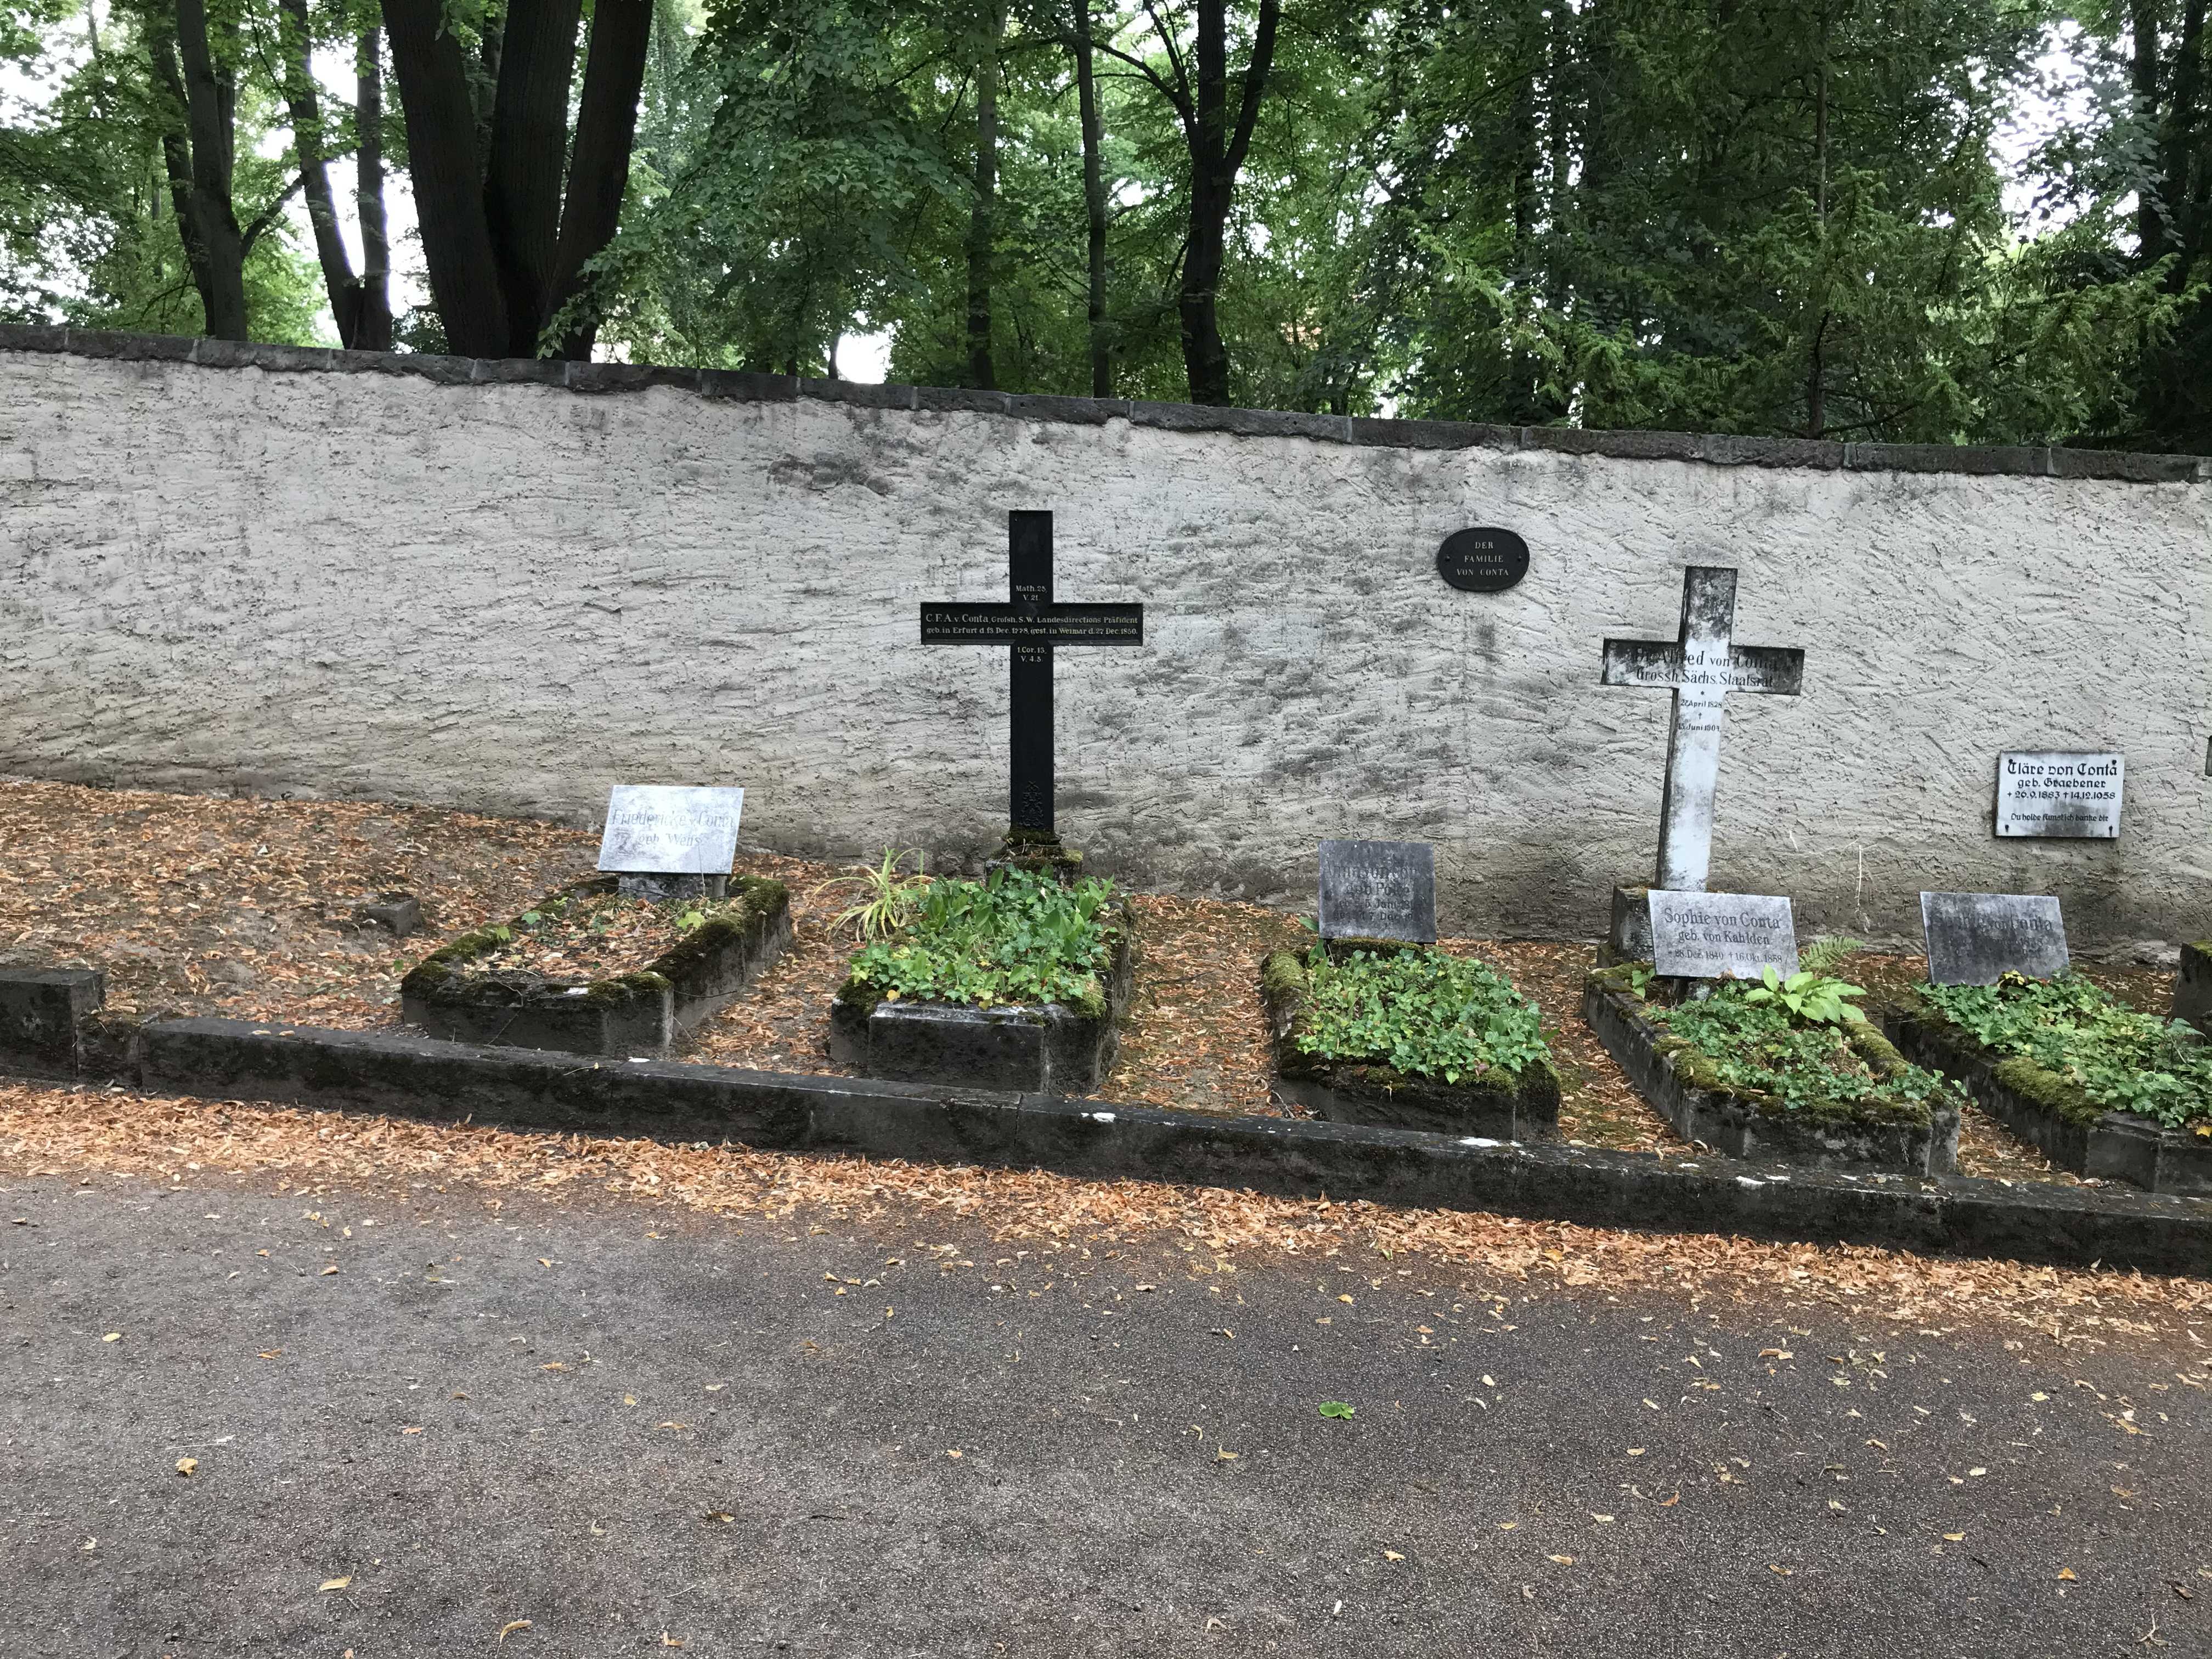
<point x="640" y="1014"/>
<point x="1027" y="1048"/>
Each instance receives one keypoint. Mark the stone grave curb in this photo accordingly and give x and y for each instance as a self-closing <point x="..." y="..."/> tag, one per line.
<point x="701" y="973"/>
<point x="1017" y="1049"/>
<point x="2192" y="986"/>
<point x="423" y="1077"/>
<point x="2019" y="1093"/>
<point x="1345" y="1091"/>
<point x="1715" y="1119"/>
<point x="600" y="379"/>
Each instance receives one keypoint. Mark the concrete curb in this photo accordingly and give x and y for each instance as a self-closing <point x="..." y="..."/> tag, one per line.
<point x="601" y="380"/>
<point x="235" y="1059"/>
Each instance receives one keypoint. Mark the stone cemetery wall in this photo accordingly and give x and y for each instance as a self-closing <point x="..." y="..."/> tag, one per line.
<point x="254" y="568"/>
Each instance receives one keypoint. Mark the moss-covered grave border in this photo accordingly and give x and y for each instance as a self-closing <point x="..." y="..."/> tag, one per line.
<point x="639" y="1014"/>
<point x="1680" y="1082"/>
<point x="1357" y="1091"/>
<point x="2052" y="1112"/>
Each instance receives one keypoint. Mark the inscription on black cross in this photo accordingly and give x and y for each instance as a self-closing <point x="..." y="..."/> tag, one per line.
<point x="1032" y="624"/>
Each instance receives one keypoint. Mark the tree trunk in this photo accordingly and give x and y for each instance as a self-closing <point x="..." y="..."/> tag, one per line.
<point x="981" y="211"/>
<point x="606" y="127"/>
<point x="1094" y="205"/>
<point x="373" y="325"/>
<point x="197" y="135"/>
<point x="2143" y="79"/>
<point x="1816" y="371"/>
<point x="305" y="106"/>
<point x="435" y="96"/>
<point x="1217" y="154"/>
<point x="528" y="143"/>
<point x="1522" y="367"/>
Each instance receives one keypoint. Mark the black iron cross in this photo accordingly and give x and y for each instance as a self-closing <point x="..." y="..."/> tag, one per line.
<point x="1032" y="624"/>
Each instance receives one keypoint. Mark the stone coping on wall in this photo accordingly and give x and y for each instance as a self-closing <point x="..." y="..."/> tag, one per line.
<point x="1721" y="449"/>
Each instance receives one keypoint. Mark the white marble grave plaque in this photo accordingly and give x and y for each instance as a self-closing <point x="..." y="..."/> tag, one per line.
<point x="1378" y="889"/>
<point x="2073" y="795"/>
<point x="1976" y="938"/>
<point x="1722" y="935"/>
<point x="664" y="830"/>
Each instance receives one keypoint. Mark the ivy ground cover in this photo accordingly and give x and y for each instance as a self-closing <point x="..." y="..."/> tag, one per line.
<point x="1016" y="938"/>
<point x="1424" y="1013"/>
<point x="2104" y="1055"/>
<point x="1809" y="1057"/>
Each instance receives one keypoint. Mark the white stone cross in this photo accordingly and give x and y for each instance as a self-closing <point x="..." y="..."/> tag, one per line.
<point x="1702" y="665"/>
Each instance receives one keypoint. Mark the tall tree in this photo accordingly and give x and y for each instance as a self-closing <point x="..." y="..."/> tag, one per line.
<point x="503" y="255"/>
<point x="990" y="34"/>
<point x="1094" y="203"/>
<point x="1198" y="84"/>
<point x="195" y="66"/>
<point x="360" y="306"/>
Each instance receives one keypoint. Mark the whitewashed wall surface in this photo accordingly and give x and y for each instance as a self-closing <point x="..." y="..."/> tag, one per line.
<point x="254" y="568"/>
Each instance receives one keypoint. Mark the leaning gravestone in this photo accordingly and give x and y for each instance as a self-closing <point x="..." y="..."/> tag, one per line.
<point x="1378" y="889"/>
<point x="665" y="842"/>
<point x="1976" y="939"/>
<point x="1722" y="935"/>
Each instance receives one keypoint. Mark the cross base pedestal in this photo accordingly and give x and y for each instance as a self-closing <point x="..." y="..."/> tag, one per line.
<point x="1629" y="938"/>
<point x="660" y="888"/>
<point x="1040" y="852"/>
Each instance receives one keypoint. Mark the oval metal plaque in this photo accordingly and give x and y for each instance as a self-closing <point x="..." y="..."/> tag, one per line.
<point x="1482" y="560"/>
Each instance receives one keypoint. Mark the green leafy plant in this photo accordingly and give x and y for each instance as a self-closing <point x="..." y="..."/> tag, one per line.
<point x="886" y="894"/>
<point x="1821" y="956"/>
<point x="2121" y="1058"/>
<point x="1421" y="1011"/>
<point x="1750" y="1039"/>
<point x="1336" y="1408"/>
<point x="1020" y="936"/>
<point x="1809" y="996"/>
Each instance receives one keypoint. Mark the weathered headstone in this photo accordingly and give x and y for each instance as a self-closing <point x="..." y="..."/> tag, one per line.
<point x="1722" y="935"/>
<point x="2048" y="794"/>
<point x="1378" y="889"/>
<point x="1701" y="665"/>
<point x="1032" y="624"/>
<point x="1976" y="939"/>
<point x="670" y="841"/>
<point x="1482" y="560"/>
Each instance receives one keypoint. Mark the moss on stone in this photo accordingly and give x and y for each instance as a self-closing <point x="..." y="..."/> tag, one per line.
<point x="1283" y="975"/>
<point x="2045" y="1088"/>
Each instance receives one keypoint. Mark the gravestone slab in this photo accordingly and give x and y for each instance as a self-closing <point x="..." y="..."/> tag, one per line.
<point x="1482" y="560"/>
<point x="1716" y="935"/>
<point x="1976" y="939"/>
<point x="1378" y="889"/>
<point x="2060" y="793"/>
<point x="664" y="830"/>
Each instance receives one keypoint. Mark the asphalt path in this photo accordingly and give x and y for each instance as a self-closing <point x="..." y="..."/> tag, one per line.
<point x="431" y="1426"/>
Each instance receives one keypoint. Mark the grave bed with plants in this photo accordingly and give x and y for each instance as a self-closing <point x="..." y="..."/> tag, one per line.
<point x="2103" y="1088"/>
<point x="1018" y="981"/>
<point x="588" y="971"/>
<point x="1408" y="1036"/>
<point x="1785" y="1070"/>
